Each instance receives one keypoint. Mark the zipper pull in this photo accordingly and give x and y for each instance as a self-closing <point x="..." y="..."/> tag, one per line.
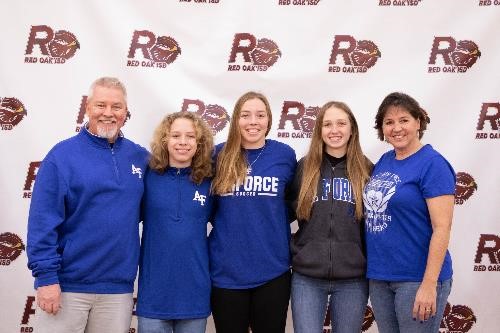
<point x="178" y="171"/>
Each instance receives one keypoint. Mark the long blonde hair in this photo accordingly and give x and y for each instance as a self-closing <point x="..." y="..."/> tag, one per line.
<point x="201" y="165"/>
<point x="231" y="162"/>
<point x="358" y="166"/>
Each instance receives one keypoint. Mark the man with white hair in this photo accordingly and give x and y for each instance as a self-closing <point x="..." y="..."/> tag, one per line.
<point x="83" y="237"/>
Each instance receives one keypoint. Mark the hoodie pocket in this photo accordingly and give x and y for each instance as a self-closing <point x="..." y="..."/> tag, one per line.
<point x="311" y="259"/>
<point x="348" y="260"/>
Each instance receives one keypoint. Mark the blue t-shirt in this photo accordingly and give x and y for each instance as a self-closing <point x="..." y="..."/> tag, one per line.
<point x="249" y="242"/>
<point x="398" y="225"/>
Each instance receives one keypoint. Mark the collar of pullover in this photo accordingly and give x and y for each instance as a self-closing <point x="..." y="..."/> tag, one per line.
<point x="98" y="141"/>
<point x="178" y="171"/>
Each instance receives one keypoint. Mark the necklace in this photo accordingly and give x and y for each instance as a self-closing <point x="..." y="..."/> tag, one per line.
<point x="249" y="168"/>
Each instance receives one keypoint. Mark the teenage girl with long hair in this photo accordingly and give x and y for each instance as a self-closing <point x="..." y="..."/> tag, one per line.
<point x="328" y="252"/>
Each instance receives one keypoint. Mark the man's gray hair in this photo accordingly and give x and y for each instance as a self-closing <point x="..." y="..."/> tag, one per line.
<point x="107" y="82"/>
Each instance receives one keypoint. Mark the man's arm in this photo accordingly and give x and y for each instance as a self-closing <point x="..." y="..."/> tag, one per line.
<point x="46" y="214"/>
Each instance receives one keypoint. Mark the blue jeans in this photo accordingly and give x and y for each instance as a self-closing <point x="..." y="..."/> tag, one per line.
<point x="151" y="325"/>
<point x="348" y="299"/>
<point x="392" y="304"/>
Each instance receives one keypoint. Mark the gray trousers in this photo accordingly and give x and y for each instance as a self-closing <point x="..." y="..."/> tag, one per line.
<point x="87" y="313"/>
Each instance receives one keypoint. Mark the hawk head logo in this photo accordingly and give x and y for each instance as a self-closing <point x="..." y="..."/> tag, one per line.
<point x="465" y="186"/>
<point x="215" y="116"/>
<point x="365" y="54"/>
<point x="11" y="246"/>
<point x="266" y="52"/>
<point x="458" y="318"/>
<point x="63" y="45"/>
<point x="166" y="49"/>
<point x="308" y="120"/>
<point x="466" y="53"/>
<point x="12" y="111"/>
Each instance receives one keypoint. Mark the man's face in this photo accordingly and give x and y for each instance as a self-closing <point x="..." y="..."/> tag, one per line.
<point x="107" y="110"/>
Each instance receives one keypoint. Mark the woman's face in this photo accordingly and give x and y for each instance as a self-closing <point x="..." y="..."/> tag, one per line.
<point x="401" y="129"/>
<point x="181" y="143"/>
<point x="336" y="131"/>
<point x="253" y="123"/>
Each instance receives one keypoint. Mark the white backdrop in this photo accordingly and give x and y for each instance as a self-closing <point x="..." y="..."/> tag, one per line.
<point x="210" y="52"/>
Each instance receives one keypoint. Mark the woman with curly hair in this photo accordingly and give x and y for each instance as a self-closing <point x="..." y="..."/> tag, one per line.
<point x="328" y="252"/>
<point x="174" y="280"/>
<point x="249" y="242"/>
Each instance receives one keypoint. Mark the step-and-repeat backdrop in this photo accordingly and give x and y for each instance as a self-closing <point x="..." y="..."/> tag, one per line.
<point x="201" y="56"/>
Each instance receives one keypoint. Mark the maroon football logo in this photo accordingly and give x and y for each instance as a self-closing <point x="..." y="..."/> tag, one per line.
<point x="60" y="45"/>
<point x="358" y="56"/>
<point x="464" y="188"/>
<point x="158" y="52"/>
<point x="458" y="57"/>
<point x="214" y="115"/>
<point x="11" y="247"/>
<point x="12" y="111"/>
<point x="257" y="54"/>
<point x="458" y="318"/>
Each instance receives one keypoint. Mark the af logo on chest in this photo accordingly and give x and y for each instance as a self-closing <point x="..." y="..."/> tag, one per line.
<point x="200" y="198"/>
<point x="136" y="171"/>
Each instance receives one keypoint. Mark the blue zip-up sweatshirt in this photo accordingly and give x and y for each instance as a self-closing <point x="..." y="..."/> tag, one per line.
<point x="174" y="280"/>
<point x="84" y="215"/>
